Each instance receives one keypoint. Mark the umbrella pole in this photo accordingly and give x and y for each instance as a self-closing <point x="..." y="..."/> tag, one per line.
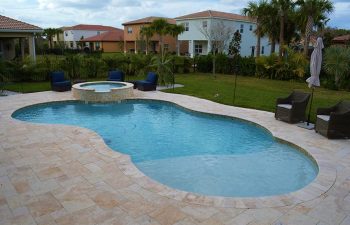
<point x="312" y="96"/>
<point x="234" y="90"/>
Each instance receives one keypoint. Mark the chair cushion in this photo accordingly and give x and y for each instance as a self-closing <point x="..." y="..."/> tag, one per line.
<point x="323" y="117"/>
<point x="143" y="82"/>
<point x="286" y="106"/>
<point x="57" y="76"/>
<point x="152" y="78"/>
<point x="62" y="83"/>
<point x="115" y="75"/>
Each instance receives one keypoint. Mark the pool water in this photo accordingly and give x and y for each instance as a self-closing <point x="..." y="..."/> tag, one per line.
<point x="190" y="151"/>
<point x="102" y="87"/>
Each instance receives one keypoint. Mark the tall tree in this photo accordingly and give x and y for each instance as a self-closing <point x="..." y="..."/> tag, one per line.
<point x="271" y="25"/>
<point x="257" y="11"/>
<point x="284" y="8"/>
<point x="218" y="36"/>
<point x="147" y="32"/>
<point x="161" y="28"/>
<point x="58" y="32"/>
<point x="49" y="33"/>
<point x="175" y="30"/>
<point x="235" y="44"/>
<point x="313" y="12"/>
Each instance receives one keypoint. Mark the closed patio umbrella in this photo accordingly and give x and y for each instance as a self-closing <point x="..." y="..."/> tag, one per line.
<point x="315" y="69"/>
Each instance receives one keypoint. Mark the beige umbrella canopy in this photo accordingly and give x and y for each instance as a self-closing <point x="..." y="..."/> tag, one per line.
<point x="315" y="64"/>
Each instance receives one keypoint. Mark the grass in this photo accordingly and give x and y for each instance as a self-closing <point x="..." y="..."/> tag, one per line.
<point x="251" y="92"/>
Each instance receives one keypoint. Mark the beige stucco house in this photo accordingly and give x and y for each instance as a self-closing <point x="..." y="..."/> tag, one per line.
<point x="12" y="30"/>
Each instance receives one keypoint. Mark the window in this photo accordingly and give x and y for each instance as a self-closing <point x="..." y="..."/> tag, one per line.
<point x="253" y="51"/>
<point x="166" y="47"/>
<point x="129" y="30"/>
<point x="97" y="45"/>
<point x="205" y="24"/>
<point x="66" y="33"/>
<point x="198" y="49"/>
<point x="98" y="32"/>
<point x="242" y="28"/>
<point x="262" y="50"/>
<point x="251" y="27"/>
<point x="71" y="44"/>
<point x="186" y="26"/>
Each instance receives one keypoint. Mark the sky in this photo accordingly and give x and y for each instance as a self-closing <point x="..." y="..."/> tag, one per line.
<point x="58" y="13"/>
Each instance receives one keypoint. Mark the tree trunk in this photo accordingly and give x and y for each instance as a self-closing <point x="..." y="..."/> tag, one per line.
<point x="147" y="42"/>
<point x="214" y="64"/>
<point x="273" y="45"/>
<point x="281" y="36"/>
<point x="258" y="44"/>
<point x="177" y="46"/>
<point x="308" y="29"/>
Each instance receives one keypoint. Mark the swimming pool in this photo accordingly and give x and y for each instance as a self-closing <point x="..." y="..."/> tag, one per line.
<point x="195" y="152"/>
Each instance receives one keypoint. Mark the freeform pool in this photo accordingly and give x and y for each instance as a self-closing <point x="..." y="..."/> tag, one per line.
<point x="190" y="151"/>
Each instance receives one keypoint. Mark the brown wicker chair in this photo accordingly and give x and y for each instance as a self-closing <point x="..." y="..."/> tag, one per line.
<point x="334" y="122"/>
<point x="292" y="109"/>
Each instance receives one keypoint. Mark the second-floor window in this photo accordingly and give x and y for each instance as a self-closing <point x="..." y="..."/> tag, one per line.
<point x="129" y="30"/>
<point x="205" y="24"/>
<point x="186" y="26"/>
<point x="251" y="27"/>
<point x="66" y="33"/>
<point x="98" y="32"/>
<point x="262" y="50"/>
<point x="242" y="28"/>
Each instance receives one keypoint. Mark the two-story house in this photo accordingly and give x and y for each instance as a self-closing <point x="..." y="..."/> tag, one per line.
<point x="135" y="42"/>
<point x="199" y="44"/>
<point x="73" y="35"/>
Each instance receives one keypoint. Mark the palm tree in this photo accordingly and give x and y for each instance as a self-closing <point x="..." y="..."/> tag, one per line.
<point x="313" y="12"/>
<point x="257" y="11"/>
<point x="270" y="25"/>
<point x="284" y="8"/>
<point x="58" y="32"/>
<point x="160" y="27"/>
<point x="147" y="32"/>
<point x="175" y="30"/>
<point x="49" y="33"/>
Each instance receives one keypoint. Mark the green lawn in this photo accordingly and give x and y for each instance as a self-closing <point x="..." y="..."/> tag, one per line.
<point x="251" y="92"/>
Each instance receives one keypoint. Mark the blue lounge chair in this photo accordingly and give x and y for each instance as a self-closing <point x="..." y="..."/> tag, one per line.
<point x="150" y="84"/>
<point x="58" y="82"/>
<point x="116" y="75"/>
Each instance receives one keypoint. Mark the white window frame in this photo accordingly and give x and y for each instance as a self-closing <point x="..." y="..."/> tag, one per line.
<point x="198" y="49"/>
<point x="129" y="30"/>
<point x="205" y="24"/>
<point x="241" y="30"/>
<point x="186" y="26"/>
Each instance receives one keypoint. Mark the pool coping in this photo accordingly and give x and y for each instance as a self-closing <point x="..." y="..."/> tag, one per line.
<point x="322" y="183"/>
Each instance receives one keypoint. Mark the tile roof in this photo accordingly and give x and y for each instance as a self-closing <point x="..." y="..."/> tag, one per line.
<point x="147" y="20"/>
<point x="109" y="36"/>
<point x="7" y="23"/>
<point x="216" y="14"/>
<point x="342" y="38"/>
<point x="90" y="27"/>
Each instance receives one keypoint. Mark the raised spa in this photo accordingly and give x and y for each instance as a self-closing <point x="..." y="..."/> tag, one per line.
<point x="190" y="151"/>
<point x="102" y="91"/>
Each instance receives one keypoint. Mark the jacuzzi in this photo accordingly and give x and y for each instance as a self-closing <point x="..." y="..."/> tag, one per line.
<point x="102" y="91"/>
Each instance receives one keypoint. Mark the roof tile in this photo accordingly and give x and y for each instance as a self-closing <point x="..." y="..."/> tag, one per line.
<point x="148" y="20"/>
<point x="109" y="36"/>
<point x="216" y="14"/>
<point x="7" y="23"/>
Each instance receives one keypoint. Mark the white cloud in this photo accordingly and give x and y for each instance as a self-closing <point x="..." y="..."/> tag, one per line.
<point x="56" y="13"/>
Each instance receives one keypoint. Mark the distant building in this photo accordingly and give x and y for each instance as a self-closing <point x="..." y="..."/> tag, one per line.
<point x="134" y="42"/>
<point x="73" y="35"/>
<point x="12" y="30"/>
<point x="199" y="43"/>
<point x="110" y="41"/>
<point x="342" y="40"/>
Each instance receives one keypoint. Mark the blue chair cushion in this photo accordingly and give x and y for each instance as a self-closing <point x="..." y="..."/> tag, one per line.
<point x="115" y="76"/>
<point x="57" y="76"/>
<point x="152" y="78"/>
<point x="62" y="83"/>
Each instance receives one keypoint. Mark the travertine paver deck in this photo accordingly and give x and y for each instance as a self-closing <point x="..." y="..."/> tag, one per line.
<point x="58" y="174"/>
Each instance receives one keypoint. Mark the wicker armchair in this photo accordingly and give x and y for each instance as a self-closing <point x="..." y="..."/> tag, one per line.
<point x="334" y="122"/>
<point x="58" y="82"/>
<point x="292" y="109"/>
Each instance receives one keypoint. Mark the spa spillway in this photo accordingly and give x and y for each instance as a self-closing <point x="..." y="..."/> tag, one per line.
<point x="102" y="91"/>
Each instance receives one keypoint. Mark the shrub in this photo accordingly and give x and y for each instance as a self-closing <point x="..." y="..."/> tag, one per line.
<point x="337" y="65"/>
